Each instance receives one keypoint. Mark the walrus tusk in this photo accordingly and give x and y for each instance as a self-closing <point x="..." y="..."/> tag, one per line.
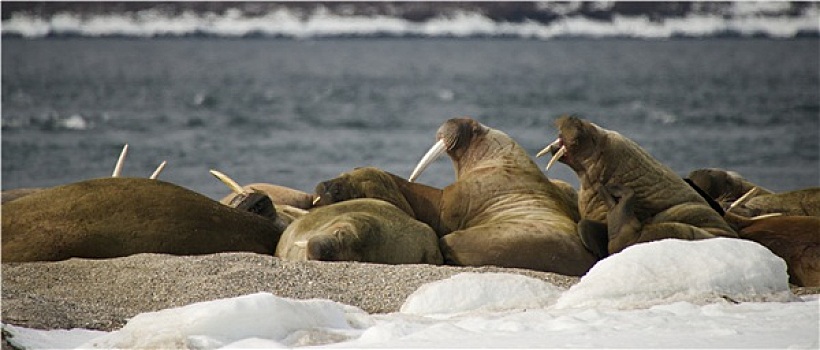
<point x="120" y="161"/>
<point x="742" y="199"/>
<point x="558" y="155"/>
<point x="161" y="166"/>
<point x="549" y="148"/>
<point x="766" y="216"/>
<point x="436" y="151"/>
<point x="301" y="244"/>
<point x="233" y="185"/>
<point x="316" y="200"/>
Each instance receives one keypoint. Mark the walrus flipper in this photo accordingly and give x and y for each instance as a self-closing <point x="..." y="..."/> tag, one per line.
<point x="595" y="237"/>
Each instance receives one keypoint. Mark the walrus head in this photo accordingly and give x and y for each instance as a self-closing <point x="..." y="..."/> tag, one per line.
<point x="577" y="140"/>
<point x="338" y="244"/>
<point x="453" y="137"/>
<point x="364" y="182"/>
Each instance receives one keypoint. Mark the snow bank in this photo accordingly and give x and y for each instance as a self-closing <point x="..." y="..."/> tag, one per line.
<point x="480" y="292"/>
<point x="28" y="338"/>
<point x="675" y="270"/>
<point x="263" y="317"/>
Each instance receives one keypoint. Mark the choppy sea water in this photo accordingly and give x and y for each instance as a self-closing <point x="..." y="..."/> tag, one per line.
<point x="297" y="112"/>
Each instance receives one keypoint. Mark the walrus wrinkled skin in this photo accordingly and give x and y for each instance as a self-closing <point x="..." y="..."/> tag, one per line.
<point x="365" y="230"/>
<point x="279" y="195"/>
<point x="796" y="239"/>
<point x="502" y="210"/>
<point x="115" y="217"/>
<point x="661" y="201"/>
<point x="724" y="186"/>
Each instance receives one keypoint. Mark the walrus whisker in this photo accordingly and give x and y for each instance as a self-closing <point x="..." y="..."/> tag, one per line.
<point x="436" y="151"/>
<point x="742" y="199"/>
<point x="120" y="162"/>
<point x="233" y="185"/>
<point x="155" y="174"/>
<point x="549" y="148"/>
<point x="558" y="155"/>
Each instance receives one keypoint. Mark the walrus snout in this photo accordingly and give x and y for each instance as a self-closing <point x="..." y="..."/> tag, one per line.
<point x="323" y="248"/>
<point x="558" y="150"/>
<point x="328" y="192"/>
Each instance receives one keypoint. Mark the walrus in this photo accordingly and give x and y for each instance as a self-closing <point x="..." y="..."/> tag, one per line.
<point x="280" y="195"/>
<point x="796" y="239"/>
<point x="663" y="204"/>
<point x="502" y="210"/>
<point x="805" y="202"/>
<point x="420" y="201"/>
<point x="114" y="217"/>
<point x="723" y="186"/>
<point x="364" y="230"/>
<point x="276" y="202"/>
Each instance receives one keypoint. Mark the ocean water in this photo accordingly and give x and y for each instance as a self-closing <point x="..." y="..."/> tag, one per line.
<point x="296" y="112"/>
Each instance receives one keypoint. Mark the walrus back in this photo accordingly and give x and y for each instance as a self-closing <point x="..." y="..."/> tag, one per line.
<point x="114" y="217"/>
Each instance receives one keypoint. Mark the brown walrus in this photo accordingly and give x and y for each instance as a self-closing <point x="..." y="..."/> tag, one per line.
<point x="796" y="239"/>
<point x="805" y="202"/>
<point x="114" y="217"/>
<point x="279" y="195"/>
<point x="502" y="210"/>
<point x="420" y="201"/>
<point x="366" y="230"/>
<point x="723" y="186"/>
<point x="663" y="204"/>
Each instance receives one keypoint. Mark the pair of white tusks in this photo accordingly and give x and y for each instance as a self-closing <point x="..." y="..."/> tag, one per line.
<point x="548" y="149"/>
<point x="436" y="151"/>
<point x="121" y="160"/>
<point x="742" y="199"/>
<point x="746" y="197"/>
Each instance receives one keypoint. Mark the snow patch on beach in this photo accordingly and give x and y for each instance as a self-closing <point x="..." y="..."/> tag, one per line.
<point x="661" y="294"/>
<point x="214" y="324"/>
<point x="675" y="270"/>
<point x="480" y="292"/>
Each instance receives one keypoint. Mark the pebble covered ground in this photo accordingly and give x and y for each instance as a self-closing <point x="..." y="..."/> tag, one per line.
<point x="104" y="294"/>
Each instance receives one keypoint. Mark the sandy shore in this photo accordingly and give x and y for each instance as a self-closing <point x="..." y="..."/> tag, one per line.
<point x="103" y="294"/>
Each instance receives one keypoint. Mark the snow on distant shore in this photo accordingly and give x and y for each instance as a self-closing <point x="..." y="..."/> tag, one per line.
<point x="750" y="19"/>
<point x="660" y="294"/>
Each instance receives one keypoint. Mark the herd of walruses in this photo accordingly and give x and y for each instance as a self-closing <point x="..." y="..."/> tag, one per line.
<point x="501" y="210"/>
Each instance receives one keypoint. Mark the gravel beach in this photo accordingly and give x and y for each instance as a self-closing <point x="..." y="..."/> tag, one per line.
<point x="104" y="294"/>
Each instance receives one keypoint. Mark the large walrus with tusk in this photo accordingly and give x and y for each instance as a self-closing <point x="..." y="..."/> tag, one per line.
<point x="114" y="217"/>
<point x="365" y="230"/>
<point x="502" y="210"/>
<point x="645" y="200"/>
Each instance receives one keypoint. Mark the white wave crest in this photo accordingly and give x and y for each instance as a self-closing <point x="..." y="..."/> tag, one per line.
<point x="746" y="19"/>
